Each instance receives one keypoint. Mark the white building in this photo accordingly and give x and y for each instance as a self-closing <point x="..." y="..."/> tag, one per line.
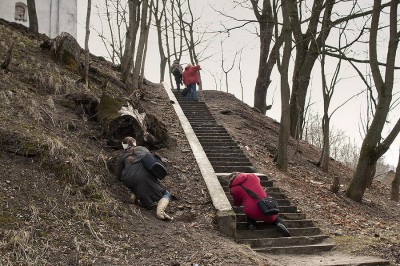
<point x="54" y="16"/>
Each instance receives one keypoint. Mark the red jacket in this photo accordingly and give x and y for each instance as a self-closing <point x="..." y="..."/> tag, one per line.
<point x="190" y="75"/>
<point x="241" y="198"/>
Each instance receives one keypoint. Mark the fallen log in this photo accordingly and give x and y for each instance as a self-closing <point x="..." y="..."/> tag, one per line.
<point x="119" y="119"/>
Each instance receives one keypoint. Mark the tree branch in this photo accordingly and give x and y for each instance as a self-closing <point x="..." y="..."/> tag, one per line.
<point x="355" y="60"/>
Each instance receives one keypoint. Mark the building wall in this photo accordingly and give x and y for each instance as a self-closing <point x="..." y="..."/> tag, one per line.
<point x="54" y="16"/>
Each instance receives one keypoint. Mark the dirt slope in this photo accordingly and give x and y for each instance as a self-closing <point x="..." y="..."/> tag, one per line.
<point x="60" y="205"/>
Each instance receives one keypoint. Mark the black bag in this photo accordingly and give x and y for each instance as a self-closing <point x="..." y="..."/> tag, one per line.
<point x="185" y="91"/>
<point x="267" y="205"/>
<point x="154" y="165"/>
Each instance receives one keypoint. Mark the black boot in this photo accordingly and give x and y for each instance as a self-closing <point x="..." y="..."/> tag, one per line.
<point x="282" y="228"/>
<point x="251" y="224"/>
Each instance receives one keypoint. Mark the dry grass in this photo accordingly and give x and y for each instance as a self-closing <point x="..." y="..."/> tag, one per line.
<point x="24" y="249"/>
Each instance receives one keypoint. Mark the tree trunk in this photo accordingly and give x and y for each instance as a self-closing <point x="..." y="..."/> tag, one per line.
<point x="265" y="18"/>
<point x="158" y="18"/>
<point x="7" y="61"/>
<point x="361" y="177"/>
<point x="130" y="41"/>
<point x="325" y="153"/>
<point x="283" y="139"/>
<point x="33" y="21"/>
<point x="141" y="46"/>
<point x="335" y="184"/>
<point x="89" y="8"/>
<point x="308" y="47"/>
<point x="141" y="77"/>
<point x="395" y="187"/>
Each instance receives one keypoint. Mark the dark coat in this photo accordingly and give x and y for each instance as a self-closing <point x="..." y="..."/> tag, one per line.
<point x="135" y="176"/>
<point x="241" y="198"/>
<point x="176" y="69"/>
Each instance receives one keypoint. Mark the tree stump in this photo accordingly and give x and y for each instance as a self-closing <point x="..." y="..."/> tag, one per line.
<point x="67" y="51"/>
<point x="120" y="119"/>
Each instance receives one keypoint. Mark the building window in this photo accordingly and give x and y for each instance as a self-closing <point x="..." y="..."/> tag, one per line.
<point x="21" y="11"/>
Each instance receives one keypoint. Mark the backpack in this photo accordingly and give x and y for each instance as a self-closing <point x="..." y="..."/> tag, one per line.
<point x="176" y="72"/>
<point x="154" y="165"/>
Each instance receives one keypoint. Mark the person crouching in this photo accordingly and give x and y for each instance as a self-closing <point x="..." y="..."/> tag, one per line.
<point x="146" y="188"/>
<point x="250" y="207"/>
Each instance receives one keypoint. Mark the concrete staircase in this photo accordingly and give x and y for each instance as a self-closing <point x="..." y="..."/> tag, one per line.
<point x="225" y="157"/>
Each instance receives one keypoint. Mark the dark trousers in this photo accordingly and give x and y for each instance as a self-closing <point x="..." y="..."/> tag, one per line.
<point x="178" y="80"/>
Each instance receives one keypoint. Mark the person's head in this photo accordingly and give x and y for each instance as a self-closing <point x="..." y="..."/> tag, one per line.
<point x="189" y="65"/>
<point x="128" y="142"/>
<point x="176" y="61"/>
<point x="232" y="176"/>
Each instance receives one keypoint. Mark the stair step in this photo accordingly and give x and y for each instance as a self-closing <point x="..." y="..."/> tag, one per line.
<point x="306" y="249"/>
<point x="218" y="144"/>
<point x="228" y="153"/>
<point x="222" y="149"/>
<point x="264" y="183"/>
<point x="214" y="137"/>
<point x="273" y="232"/>
<point x="230" y="169"/>
<point x="283" y="241"/>
<point x="241" y="223"/>
<point x="226" y="157"/>
<point x="233" y="163"/>
<point x="238" y="159"/>
<point x="288" y="209"/>
<point x="211" y="135"/>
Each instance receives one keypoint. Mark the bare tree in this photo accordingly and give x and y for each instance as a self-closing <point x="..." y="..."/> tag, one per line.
<point x="283" y="67"/>
<point x="141" y="77"/>
<point x="265" y="19"/>
<point x="159" y="18"/>
<point x="145" y="20"/>
<point x="223" y="59"/>
<point x="33" y="21"/>
<point x="372" y="147"/>
<point x="308" y="47"/>
<point x="240" y="74"/>
<point x="267" y="60"/>
<point x="117" y="22"/>
<point x="130" y="41"/>
<point x="327" y="93"/>
<point x="89" y="8"/>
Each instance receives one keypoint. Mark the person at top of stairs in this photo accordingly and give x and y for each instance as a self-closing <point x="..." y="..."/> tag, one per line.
<point x="177" y="70"/>
<point x="191" y="77"/>
<point x="250" y="207"/>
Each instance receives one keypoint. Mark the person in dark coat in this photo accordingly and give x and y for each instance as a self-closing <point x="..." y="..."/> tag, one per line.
<point x="250" y="207"/>
<point x="177" y="70"/>
<point x="190" y="79"/>
<point x="146" y="188"/>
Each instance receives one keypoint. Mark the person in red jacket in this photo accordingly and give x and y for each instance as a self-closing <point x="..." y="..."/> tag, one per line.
<point x="250" y="207"/>
<point x="190" y="78"/>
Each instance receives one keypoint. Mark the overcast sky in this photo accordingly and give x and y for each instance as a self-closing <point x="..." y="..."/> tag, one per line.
<point x="346" y="119"/>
